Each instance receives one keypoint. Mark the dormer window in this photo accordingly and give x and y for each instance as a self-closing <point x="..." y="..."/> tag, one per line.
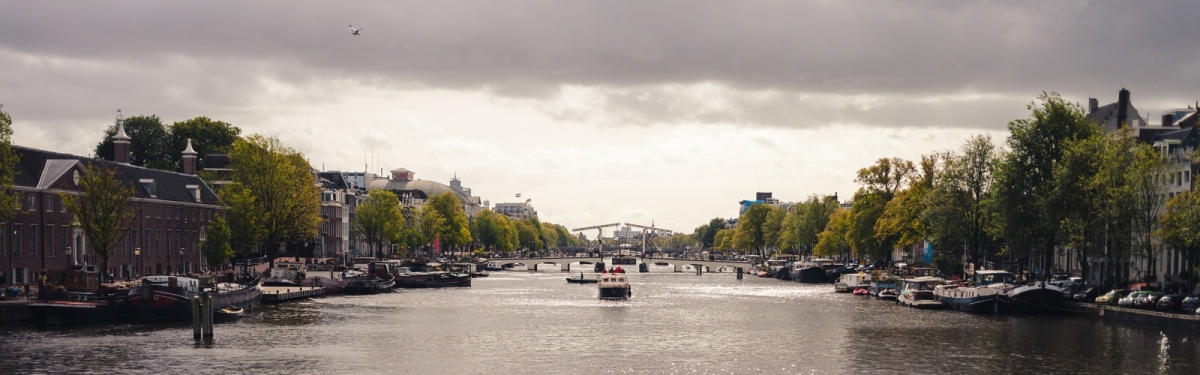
<point x="195" y="191"/>
<point x="148" y="186"/>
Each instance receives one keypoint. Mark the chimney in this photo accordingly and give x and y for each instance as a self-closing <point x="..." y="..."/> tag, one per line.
<point x="189" y="159"/>
<point x="1122" y="104"/>
<point x="1168" y="119"/>
<point x="121" y="142"/>
<point x="1093" y="105"/>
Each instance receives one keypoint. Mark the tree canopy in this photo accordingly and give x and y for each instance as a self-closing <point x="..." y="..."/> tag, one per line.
<point x="282" y="193"/>
<point x="103" y="209"/>
<point x="8" y="169"/>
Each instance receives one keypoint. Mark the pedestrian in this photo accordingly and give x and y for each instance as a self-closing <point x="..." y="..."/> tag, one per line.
<point x="26" y="290"/>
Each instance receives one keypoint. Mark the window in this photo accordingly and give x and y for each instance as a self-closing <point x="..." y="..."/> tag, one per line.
<point x="33" y="229"/>
<point x="146" y="248"/>
<point x="149" y="187"/>
<point x="66" y="237"/>
<point x="49" y="203"/>
<point x="49" y="240"/>
<point x="32" y="202"/>
<point x="1179" y="179"/>
<point x="157" y="212"/>
<point x="16" y="253"/>
<point x="1187" y="176"/>
<point x="157" y="242"/>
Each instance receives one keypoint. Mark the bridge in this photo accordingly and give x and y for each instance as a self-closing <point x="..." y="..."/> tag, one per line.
<point x="678" y="264"/>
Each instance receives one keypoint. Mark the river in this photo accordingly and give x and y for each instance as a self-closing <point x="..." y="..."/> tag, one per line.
<point x="518" y="322"/>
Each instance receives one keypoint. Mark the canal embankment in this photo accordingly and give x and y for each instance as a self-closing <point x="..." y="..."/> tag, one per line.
<point x="15" y="311"/>
<point x="1146" y="318"/>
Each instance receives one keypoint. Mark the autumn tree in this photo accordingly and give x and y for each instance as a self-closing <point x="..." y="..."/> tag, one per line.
<point x="102" y="210"/>
<point x="832" y="240"/>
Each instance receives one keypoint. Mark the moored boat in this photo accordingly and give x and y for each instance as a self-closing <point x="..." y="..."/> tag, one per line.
<point x="285" y="274"/>
<point x="77" y="296"/>
<point x="851" y="281"/>
<point x="170" y="297"/>
<point x="228" y="314"/>
<point x="581" y="280"/>
<point x="980" y="294"/>
<point x="814" y="271"/>
<point x="917" y="292"/>
<point x="377" y="279"/>
<point x="885" y="288"/>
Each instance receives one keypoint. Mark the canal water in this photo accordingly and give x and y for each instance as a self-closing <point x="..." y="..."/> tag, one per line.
<point x="518" y="322"/>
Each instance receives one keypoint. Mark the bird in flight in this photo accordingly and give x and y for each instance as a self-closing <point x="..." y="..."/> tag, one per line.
<point x="354" y="31"/>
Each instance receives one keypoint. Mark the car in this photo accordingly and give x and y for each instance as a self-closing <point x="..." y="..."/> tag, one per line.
<point x="1190" y="303"/>
<point x="1171" y="303"/>
<point x="1069" y="290"/>
<point x="1086" y="295"/>
<point x="1149" y="300"/>
<point x="1127" y="300"/>
<point x="1112" y="296"/>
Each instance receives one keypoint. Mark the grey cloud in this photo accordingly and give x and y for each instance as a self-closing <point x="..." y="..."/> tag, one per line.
<point x="175" y="56"/>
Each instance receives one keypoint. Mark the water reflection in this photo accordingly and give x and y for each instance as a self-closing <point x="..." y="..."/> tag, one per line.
<point x="537" y="323"/>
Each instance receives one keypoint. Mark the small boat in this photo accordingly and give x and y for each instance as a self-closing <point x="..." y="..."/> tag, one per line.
<point x="917" y="292"/>
<point x="661" y="267"/>
<point x="493" y="266"/>
<point x="815" y="271"/>
<point x="228" y="314"/>
<point x="377" y="279"/>
<point x="581" y="280"/>
<point x="441" y="279"/>
<point x="480" y="274"/>
<point x="515" y="267"/>
<point x="614" y="285"/>
<point x="860" y="291"/>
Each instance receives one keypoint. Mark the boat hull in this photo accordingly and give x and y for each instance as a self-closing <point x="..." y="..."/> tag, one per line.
<point x="811" y="275"/>
<point x="67" y="311"/>
<point x="154" y="302"/>
<point x="373" y="286"/>
<point x="434" y="281"/>
<point x="1033" y="300"/>
<point x="332" y="286"/>
<point x="615" y="293"/>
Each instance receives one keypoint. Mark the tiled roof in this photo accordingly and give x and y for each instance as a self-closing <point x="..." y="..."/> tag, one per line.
<point x="1106" y="116"/>
<point x="169" y="186"/>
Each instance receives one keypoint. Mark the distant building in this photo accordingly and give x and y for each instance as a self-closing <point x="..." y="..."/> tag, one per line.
<point x="414" y="193"/>
<point x="516" y="210"/>
<point x="763" y="198"/>
<point x="339" y="202"/>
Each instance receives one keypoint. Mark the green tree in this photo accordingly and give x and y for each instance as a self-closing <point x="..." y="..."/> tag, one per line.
<point x="773" y="226"/>
<point x="903" y="220"/>
<point x="9" y="203"/>
<point x="208" y="137"/>
<point x="1024" y="180"/>
<point x="431" y="224"/>
<point x="487" y="230"/>
<point x="1180" y="227"/>
<point x="457" y="229"/>
<point x="243" y="217"/>
<point x="285" y="194"/>
<point x="860" y="235"/>
<point x="805" y="221"/>
<point x="832" y="240"/>
<point x="215" y="248"/>
<point x="103" y="209"/>
<point x="723" y="240"/>
<point x="379" y="220"/>
<point x="749" y="234"/>
<point x="528" y="236"/>
<point x="708" y="236"/>
<point x="1149" y="197"/>
<point x="957" y="210"/>
<point x="149" y="143"/>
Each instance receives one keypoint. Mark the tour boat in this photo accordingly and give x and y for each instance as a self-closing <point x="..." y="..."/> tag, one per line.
<point x="917" y="292"/>
<point x="78" y="297"/>
<point x="851" y="281"/>
<point x="613" y="285"/>
<point x="170" y="297"/>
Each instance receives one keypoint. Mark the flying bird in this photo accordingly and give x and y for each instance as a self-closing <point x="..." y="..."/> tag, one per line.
<point x="354" y="31"/>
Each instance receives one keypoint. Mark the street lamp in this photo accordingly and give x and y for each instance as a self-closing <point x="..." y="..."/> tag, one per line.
<point x="137" y="252"/>
<point x="70" y="256"/>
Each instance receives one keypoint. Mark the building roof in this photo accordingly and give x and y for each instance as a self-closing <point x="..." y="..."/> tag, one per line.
<point x="39" y="169"/>
<point x="336" y="180"/>
<point x="426" y="187"/>
<point x="1149" y="134"/>
<point x="1106" y="116"/>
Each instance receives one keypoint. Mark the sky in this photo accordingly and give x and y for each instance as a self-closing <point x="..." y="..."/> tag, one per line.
<point x="663" y="112"/>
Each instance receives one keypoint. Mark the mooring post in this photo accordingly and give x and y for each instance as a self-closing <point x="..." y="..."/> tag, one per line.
<point x="699" y="268"/>
<point x="208" y="316"/>
<point x="197" y="317"/>
<point x="739" y="273"/>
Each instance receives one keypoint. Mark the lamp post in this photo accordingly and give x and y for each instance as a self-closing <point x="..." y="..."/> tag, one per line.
<point x="70" y="257"/>
<point x="181" y="252"/>
<point x="137" y="252"/>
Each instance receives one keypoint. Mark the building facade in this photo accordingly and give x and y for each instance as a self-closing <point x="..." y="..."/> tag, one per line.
<point x="174" y="212"/>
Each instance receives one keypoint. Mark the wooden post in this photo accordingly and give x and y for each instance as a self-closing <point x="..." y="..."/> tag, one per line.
<point x="739" y="273"/>
<point x="208" y="316"/>
<point x="197" y="317"/>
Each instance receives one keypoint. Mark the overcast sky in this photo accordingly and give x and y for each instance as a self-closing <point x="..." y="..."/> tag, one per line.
<point x="598" y="111"/>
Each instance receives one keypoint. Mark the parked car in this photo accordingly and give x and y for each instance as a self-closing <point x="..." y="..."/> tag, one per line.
<point x="1190" y="303"/>
<point x="1171" y="303"/>
<point x="1112" y="296"/>
<point x="1086" y="295"/>
<point x="1127" y="300"/>
<point x="1069" y="290"/>
<point x="1149" y="300"/>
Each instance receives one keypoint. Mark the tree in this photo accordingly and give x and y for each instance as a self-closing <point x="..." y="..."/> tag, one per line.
<point x="208" y="137"/>
<point x="149" y="143"/>
<point x="487" y="230"/>
<point x="886" y="176"/>
<point x="1149" y="197"/>
<point x="749" y="234"/>
<point x="1180" y="227"/>
<point x="528" y="236"/>
<point x="379" y="220"/>
<point x="285" y="194"/>
<point x="772" y="227"/>
<point x="215" y="248"/>
<point x="708" y="236"/>
<point x="9" y="202"/>
<point x="243" y="217"/>
<point x="1024" y="180"/>
<point x="832" y="240"/>
<point x="903" y="220"/>
<point x="723" y="240"/>
<point x="431" y="224"/>
<point x="805" y="221"/>
<point x="103" y="210"/>
<point x="457" y="230"/>
<point x="957" y="209"/>
<point x="860" y="231"/>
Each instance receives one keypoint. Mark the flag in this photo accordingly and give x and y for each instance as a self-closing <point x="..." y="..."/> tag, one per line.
<point x="518" y="195"/>
<point x="527" y="200"/>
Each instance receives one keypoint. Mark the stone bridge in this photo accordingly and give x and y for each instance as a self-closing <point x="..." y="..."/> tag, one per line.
<point x="678" y="265"/>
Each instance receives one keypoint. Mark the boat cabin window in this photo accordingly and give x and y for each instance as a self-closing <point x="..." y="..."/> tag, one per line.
<point x="993" y="278"/>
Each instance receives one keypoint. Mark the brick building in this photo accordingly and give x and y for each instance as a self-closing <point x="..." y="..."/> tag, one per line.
<point x="175" y="211"/>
